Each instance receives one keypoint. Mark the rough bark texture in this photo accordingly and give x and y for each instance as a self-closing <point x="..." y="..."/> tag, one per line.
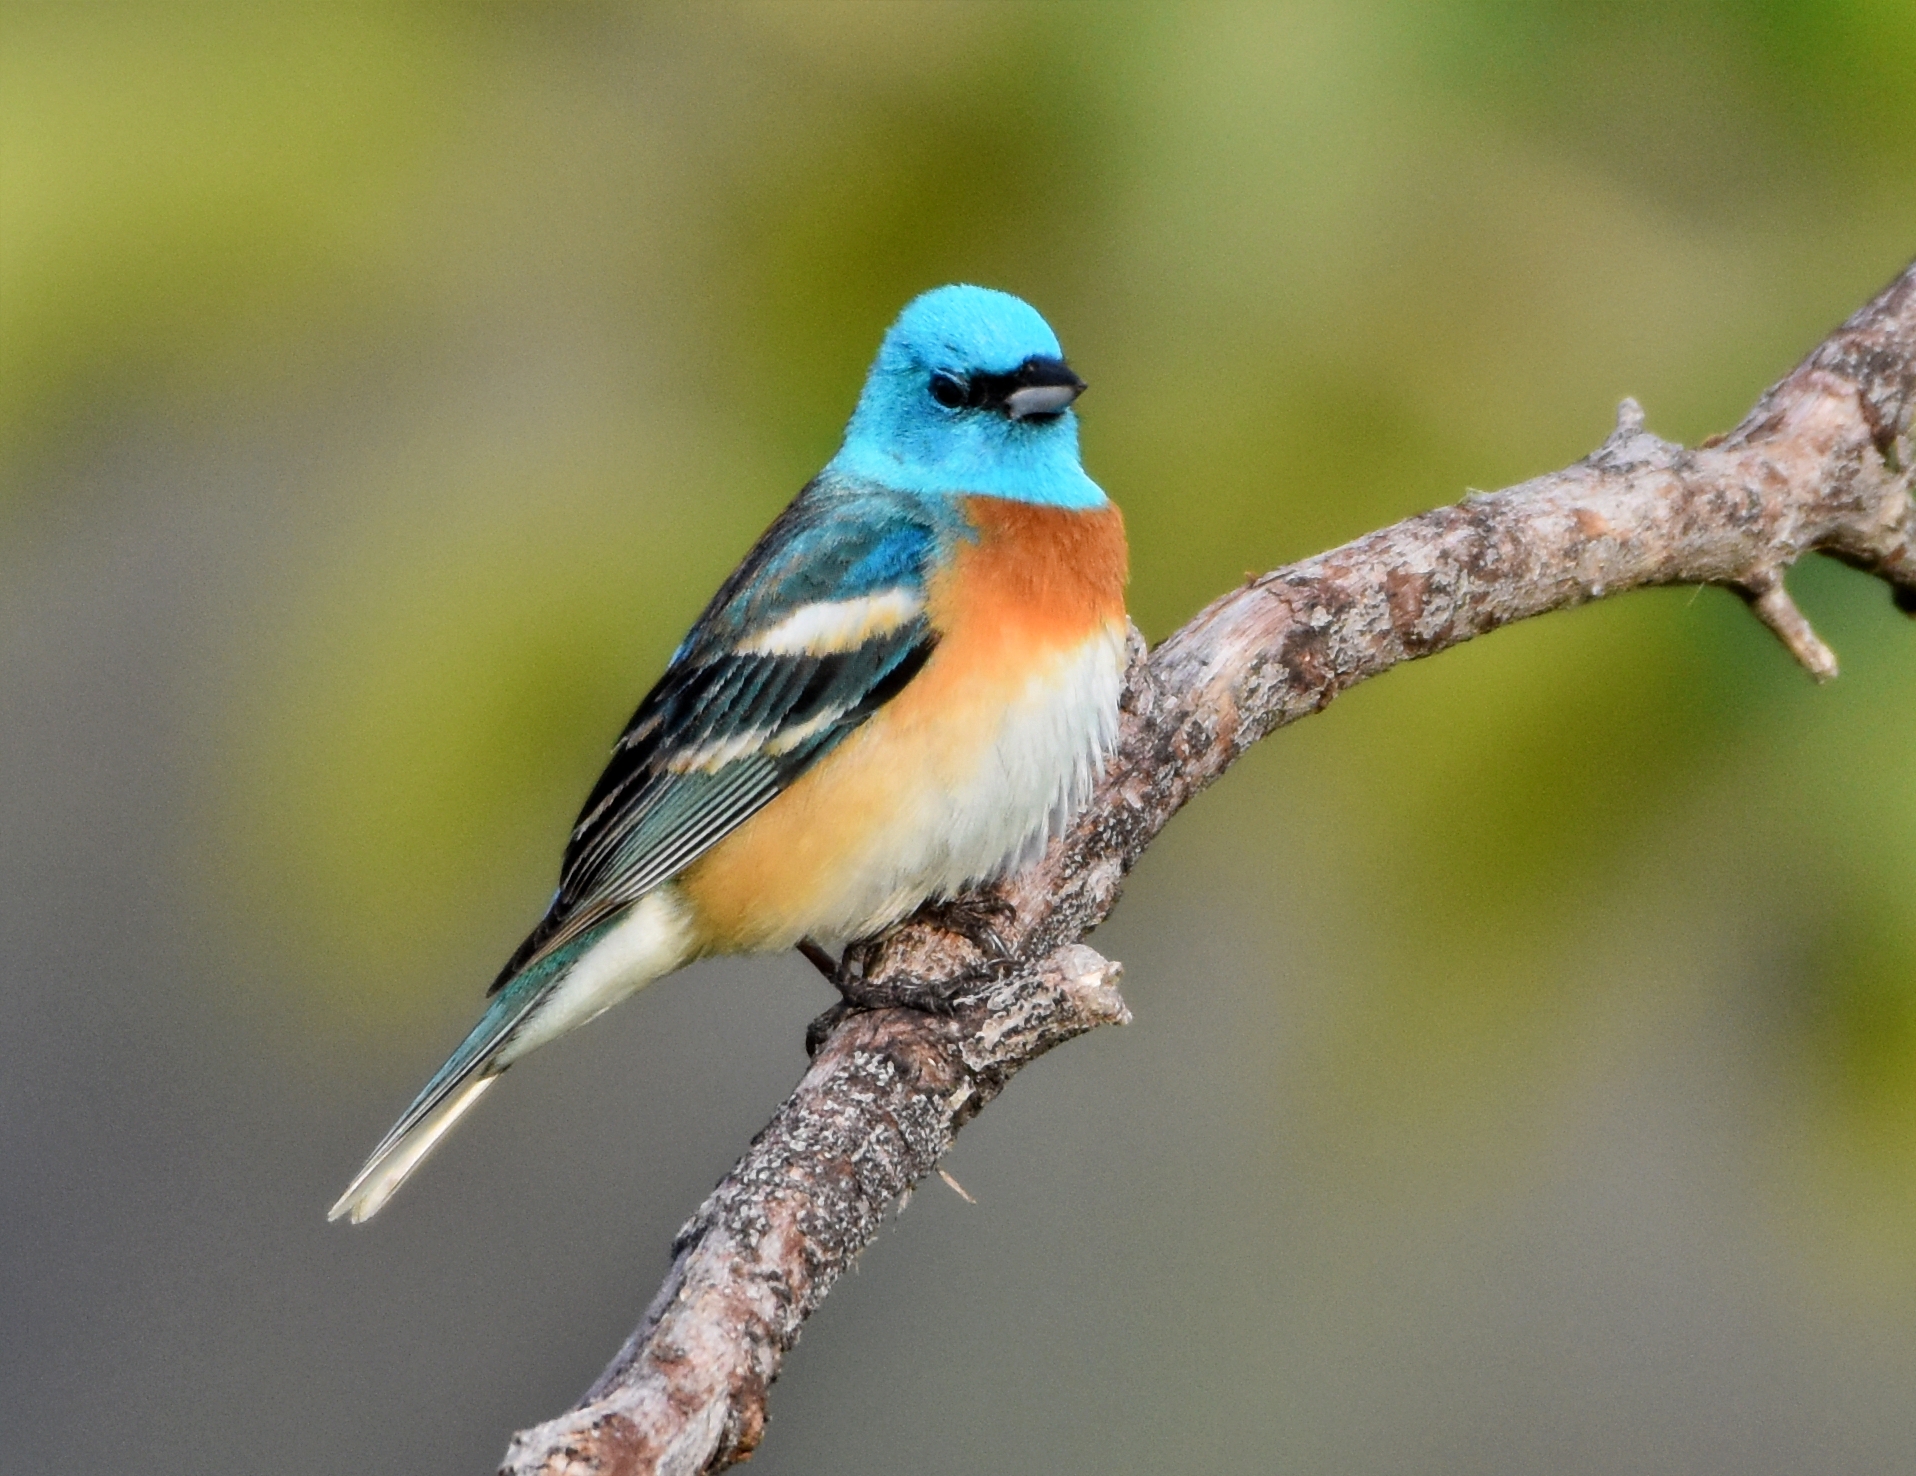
<point x="1821" y="463"/>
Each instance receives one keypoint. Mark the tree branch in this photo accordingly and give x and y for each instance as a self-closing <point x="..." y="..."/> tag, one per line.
<point x="1821" y="463"/>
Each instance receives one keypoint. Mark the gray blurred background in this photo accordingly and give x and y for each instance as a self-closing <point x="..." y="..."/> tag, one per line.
<point x="1524" y="1074"/>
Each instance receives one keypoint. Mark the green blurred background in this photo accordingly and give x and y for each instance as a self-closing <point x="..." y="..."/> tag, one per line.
<point x="1524" y="1075"/>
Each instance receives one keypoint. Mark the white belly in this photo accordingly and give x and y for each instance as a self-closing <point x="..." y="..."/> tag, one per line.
<point x="996" y="809"/>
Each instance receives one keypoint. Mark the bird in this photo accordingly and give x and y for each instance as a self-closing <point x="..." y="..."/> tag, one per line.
<point x="907" y="687"/>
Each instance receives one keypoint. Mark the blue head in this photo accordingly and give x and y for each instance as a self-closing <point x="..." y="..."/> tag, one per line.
<point x="970" y="393"/>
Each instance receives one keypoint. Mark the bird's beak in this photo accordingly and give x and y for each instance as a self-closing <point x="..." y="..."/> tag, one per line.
<point x="1045" y="387"/>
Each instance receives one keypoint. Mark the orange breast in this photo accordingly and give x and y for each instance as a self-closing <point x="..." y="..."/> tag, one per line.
<point x="835" y="853"/>
<point x="1037" y="579"/>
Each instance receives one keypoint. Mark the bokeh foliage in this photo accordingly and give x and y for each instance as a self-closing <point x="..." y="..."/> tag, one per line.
<point x="573" y="296"/>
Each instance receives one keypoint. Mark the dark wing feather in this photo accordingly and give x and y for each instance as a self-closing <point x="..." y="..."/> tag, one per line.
<point x="726" y="728"/>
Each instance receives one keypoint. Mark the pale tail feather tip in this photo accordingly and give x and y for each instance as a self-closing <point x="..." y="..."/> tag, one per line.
<point x="387" y="1169"/>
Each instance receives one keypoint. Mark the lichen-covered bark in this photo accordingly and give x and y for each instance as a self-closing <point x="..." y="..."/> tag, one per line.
<point x="886" y="1093"/>
<point x="1822" y="463"/>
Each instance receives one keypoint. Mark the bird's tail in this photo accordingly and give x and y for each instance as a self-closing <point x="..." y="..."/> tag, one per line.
<point x="458" y="1084"/>
<point x="412" y="1138"/>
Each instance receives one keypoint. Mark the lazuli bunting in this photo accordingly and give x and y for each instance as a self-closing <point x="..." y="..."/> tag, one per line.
<point x="905" y="688"/>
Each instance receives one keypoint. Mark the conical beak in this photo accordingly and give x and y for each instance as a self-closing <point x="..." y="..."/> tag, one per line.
<point x="1045" y="387"/>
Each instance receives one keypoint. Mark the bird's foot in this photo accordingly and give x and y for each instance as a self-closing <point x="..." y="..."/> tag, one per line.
<point x="857" y="991"/>
<point x="895" y="994"/>
<point x="981" y="920"/>
<point x="823" y="1025"/>
<point x="859" y="994"/>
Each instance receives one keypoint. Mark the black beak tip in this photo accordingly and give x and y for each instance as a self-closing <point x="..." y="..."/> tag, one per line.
<point x="1049" y="372"/>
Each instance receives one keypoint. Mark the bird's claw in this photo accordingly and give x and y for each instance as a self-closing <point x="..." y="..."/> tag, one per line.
<point x="859" y="999"/>
<point x="821" y="1028"/>
<point x="973" y="918"/>
<point x="976" y="919"/>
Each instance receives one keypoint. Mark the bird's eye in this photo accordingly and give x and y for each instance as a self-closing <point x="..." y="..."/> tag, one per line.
<point x="947" y="391"/>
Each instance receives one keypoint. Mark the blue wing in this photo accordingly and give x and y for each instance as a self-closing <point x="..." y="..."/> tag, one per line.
<point x="819" y="627"/>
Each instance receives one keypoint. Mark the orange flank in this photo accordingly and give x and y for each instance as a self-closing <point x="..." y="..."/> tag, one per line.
<point x="1019" y="613"/>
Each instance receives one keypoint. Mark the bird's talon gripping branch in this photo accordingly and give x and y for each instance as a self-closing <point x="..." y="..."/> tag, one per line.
<point x="860" y="996"/>
<point x="822" y="1025"/>
<point x="976" y="918"/>
<point x="896" y="990"/>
